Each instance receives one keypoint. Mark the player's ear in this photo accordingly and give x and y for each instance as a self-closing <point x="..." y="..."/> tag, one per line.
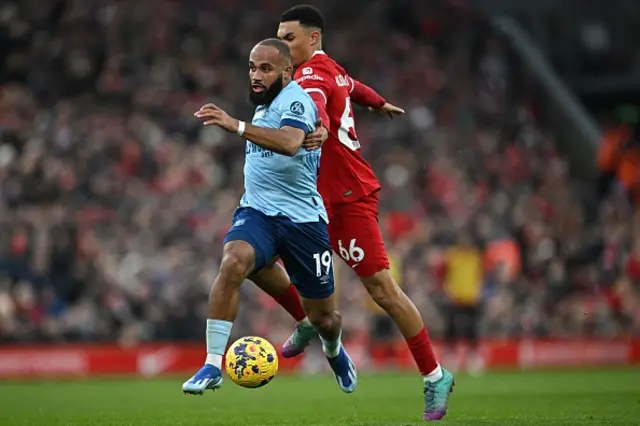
<point x="288" y="71"/>
<point x="316" y="38"/>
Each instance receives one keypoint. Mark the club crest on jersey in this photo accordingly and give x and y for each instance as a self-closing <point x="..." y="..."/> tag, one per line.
<point x="307" y="71"/>
<point x="342" y="80"/>
<point x="297" y="108"/>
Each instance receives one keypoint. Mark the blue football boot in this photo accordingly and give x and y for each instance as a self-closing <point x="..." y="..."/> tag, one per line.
<point x="345" y="371"/>
<point x="208" y="377"/>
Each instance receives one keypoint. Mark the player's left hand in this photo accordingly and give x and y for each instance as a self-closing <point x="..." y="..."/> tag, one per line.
<point x="389" y="109"/>
<point x="213" y="115"/>
<point x="315" y="139"/>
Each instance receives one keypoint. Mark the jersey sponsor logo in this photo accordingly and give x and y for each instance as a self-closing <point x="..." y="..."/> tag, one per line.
<point x="238" y="222"/>
<point x="297" y="108"/>
<point x="309" y="77"/>
<point x="307" y="71"/>
<point x="252" y="148"/>
<point x="342" y="80"/>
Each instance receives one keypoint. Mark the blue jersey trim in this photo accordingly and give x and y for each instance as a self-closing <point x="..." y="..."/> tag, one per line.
<point x="296" y="124"/>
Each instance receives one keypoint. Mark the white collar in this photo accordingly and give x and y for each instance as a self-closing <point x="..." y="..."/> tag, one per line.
<point x="318" y="52"/>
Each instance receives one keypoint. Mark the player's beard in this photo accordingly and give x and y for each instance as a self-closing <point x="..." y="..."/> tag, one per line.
<point x="267" y="95"/>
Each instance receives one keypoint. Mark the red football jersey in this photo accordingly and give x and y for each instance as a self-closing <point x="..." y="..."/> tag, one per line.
<point x="344" y="175"/>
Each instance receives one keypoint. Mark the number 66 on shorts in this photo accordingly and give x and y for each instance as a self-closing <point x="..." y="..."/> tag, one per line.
<point x="353" y="254"/>
<point x="355" y="235"/>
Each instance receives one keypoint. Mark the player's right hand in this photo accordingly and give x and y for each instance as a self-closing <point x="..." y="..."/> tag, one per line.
<point x="389" y="109"/>
<point x="213" y="115"/>
<point x="315" y="139"/>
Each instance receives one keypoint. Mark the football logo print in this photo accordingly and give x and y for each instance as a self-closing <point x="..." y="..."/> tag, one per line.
<point x="297" y="108"/>
<point x="307" y="71"/>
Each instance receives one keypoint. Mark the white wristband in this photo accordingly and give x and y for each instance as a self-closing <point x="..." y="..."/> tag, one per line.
<point x="241" y="127"/>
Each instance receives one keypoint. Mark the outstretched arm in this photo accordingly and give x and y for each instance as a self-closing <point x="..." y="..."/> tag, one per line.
<point x="365" y="96"/>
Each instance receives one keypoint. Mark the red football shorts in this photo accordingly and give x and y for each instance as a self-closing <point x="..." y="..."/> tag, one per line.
<point x="356" y="237"/>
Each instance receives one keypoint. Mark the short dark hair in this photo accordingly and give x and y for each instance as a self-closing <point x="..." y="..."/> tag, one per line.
<point x="283" y="48"/>
<point x="307" y="15"/>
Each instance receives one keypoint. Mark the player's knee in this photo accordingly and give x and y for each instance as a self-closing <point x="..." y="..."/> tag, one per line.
<point x="325" y="321"/>
<point x="237" y="262"/>
<point x="383" y="290"/>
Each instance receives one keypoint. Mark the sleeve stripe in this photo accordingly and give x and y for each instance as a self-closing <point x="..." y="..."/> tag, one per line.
<point x="353" y="85"/>
<point x="314" y="90"/>
<point x="296" y="124"/>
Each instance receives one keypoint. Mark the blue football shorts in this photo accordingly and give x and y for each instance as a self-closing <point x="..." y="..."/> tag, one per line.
<point x="304" y="248"/>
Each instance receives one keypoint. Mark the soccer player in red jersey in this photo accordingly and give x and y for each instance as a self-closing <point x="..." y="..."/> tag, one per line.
<point x="350" y="189"/>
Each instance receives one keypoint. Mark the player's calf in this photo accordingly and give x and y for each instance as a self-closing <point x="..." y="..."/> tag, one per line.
<point x="328" y="323"/>
<point x="273" y="280"/>
<point x="237" y="262"/>
<point x="437" y="382"/>
<point x="388" y="295"/>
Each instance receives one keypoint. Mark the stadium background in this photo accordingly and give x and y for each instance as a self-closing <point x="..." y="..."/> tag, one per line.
<point x="114" y="200"/>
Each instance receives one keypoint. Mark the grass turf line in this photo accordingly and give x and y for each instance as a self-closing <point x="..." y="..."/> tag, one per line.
<point x="594" y="397"/>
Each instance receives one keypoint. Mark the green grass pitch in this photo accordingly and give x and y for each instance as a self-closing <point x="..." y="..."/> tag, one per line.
<point x="593" y="397"/>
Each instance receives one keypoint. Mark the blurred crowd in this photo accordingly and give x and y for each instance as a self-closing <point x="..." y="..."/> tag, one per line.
<point x="114" y="200"/>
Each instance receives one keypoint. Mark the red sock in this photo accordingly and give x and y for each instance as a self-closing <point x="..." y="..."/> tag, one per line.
<point x="290" y="301"/>
<point x="422" y="351"/>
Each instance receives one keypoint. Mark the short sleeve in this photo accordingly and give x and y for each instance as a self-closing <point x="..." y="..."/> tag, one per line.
<point x="298" y="110"/>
